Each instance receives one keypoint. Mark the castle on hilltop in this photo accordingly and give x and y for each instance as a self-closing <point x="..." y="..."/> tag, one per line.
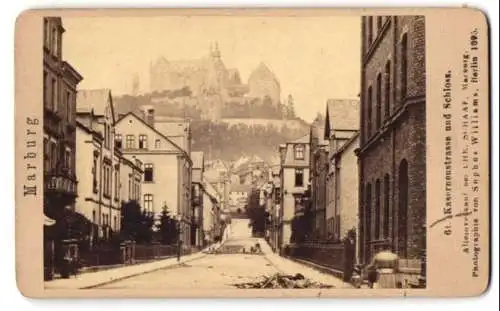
<point x="209" y="79"/>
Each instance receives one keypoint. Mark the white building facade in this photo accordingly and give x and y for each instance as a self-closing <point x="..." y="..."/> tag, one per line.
<point x="165" y="183"/>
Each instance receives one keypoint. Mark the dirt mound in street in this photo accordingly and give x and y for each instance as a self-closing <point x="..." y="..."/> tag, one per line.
<point x="283" y="281"/>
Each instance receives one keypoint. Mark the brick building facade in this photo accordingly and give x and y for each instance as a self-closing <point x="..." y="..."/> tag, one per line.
<point x="60" y="82"/>
<point x="318" y="175"/>
<point x="392" y="151"/>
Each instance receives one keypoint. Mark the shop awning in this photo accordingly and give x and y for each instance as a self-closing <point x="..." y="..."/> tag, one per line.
<point x="47" y="221"/>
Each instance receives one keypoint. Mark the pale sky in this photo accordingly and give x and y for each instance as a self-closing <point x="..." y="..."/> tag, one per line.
<point x="314" y="58"/>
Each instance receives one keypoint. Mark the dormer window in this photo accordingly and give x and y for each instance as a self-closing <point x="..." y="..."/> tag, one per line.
<point x="299" y="152"/>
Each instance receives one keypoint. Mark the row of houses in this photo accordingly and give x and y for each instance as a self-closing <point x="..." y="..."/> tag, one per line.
<point x="361" y="168"/>
<point x="96" y="160"/>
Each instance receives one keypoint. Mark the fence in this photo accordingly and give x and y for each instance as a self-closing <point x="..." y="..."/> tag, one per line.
<point x="329" y="255"/>
<point x="127" y="254"/>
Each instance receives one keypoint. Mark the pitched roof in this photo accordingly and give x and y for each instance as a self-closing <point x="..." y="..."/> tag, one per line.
<point x="176" y="130"/>
<point x="290" y="154"/>
<point x="157" y="132"/>
<point x="318" y="132"/>
<point x="341" y="114"/>
<point x="303" y="140"/>
<point x="172" y="127"/>
<point x="197" y="158"/>
<point x="96" y="100"/>
<point x="262" y="72"/>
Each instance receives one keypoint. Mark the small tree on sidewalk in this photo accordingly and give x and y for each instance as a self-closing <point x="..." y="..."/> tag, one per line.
<point x="136" y="224"/>
<point x="167" y="227"/>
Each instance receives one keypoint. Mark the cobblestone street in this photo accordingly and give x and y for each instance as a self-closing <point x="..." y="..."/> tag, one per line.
<point x="209" y="272"/>
<point x="223" y="271"/>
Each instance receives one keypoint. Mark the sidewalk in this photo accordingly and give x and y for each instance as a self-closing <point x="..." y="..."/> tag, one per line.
<point x="94" y="279"/>
<point x="291" y="267"/>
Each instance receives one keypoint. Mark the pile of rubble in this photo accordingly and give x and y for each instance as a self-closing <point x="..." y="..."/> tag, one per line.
<point x="279" y="280"/>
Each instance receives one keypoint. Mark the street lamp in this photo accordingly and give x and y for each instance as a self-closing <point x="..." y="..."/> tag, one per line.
<point x="179" y="241"/>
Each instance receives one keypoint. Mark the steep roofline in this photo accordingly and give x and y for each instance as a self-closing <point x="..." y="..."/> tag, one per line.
<point x="347" y="144"/>
<point x="157" y="132"/>
<point x="89" y="130"/>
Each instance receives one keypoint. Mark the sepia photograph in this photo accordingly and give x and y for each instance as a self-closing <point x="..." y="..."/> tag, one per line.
<point x="234" y="152"/>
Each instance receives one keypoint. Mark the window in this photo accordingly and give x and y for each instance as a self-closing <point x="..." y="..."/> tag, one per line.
<point x="115" y="223"/>
<point x="45" y="93"/>
<point x="46" y="154"/>
<point x="94" y="174"/>
<point x="379" y="23"/>
<point x="46" y="36"/>
<point x="403" y="208"/>
<point x="387" y="91"/>
<point x="299" y="177"/>
<point x="67" y="160"/>
<point x="53" y="155"/>
<point x="130" y="142"/>
<point x="118" y="141"/>
<point x="117" y="185"/>
<point x="299" y="152"/>
<point x="404" y="65"/>
<point x="277" y="198"/>
<point x="148" y="202"/>
<point x="108" y="136"/>
<point x="157" y="144"/>
<point x="103" y="219"/>
<point x="93" y="216"/>
<point x="377" y="209"/>
<point x="130" y="194"/>
<point x="105" y="177"/>
<point x="379" y="102"/>
<point x="148" y="172"/>
<point x="105" y="136"/>
<point x="110" y="179"/>
<point x="54" y="94"/>
<point x="337" y="197"/>
<point x="368" y="220"/>
<point x="143" y="142"/>
<point x="54" y="41"/>
<point x="386" y="205"/>
<point x="370" y="29"/>
<point x="369" y="112"/>
<point x="69" y="110"/>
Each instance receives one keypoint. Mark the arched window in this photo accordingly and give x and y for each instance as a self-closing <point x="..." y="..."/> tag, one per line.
<point x="404" y="66"/>
<point x="377" y="209"/>
<point x="379" y="23"/>
<point x="387" y="188"/>
<point x="368" y="221"/>
<point x="379" y="101"/>
<point x="387" y="92"/>
<point x="369" y="112"/>
<point x="370" y="29"/>
<point x="403" y="208"/>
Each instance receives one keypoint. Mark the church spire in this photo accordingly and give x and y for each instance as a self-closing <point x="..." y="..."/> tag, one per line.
<point x="214" y="51"/>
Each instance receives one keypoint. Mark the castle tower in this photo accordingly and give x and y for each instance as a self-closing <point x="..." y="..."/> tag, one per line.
<point x="135" y="85"/>
<point x="263" y="83"/>
<point x="214" y="52"/>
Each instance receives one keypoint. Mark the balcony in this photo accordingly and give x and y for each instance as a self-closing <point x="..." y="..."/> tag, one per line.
<point x="59" y="183"/>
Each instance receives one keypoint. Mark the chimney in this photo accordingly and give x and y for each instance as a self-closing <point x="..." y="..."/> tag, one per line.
<point x="150" y="117"/>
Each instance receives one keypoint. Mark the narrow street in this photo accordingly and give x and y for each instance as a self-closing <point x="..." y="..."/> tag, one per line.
<point x="210" y="272"/>
<point x="222" y="271"/>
